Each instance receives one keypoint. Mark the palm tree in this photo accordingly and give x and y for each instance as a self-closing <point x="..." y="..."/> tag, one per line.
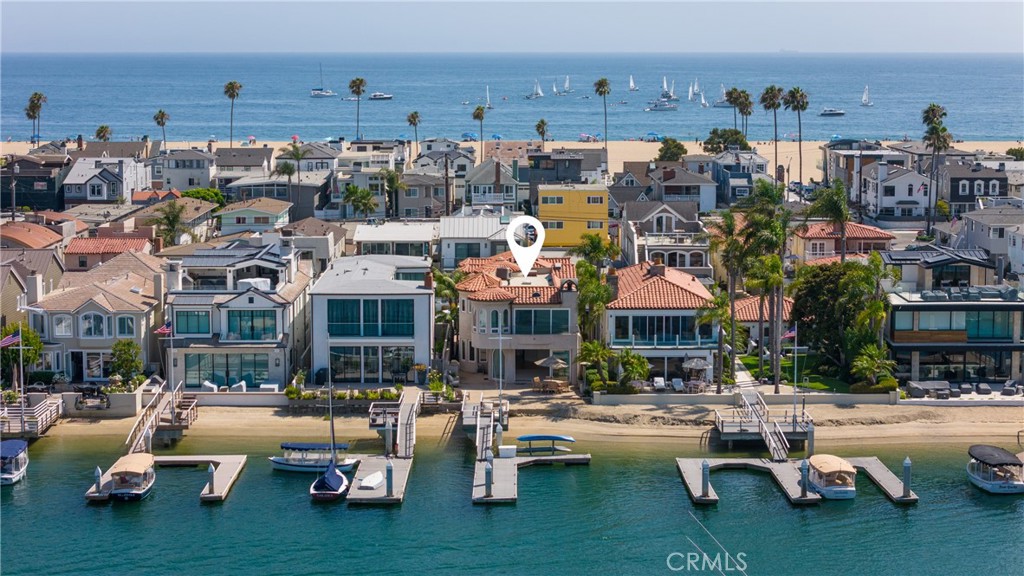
<point x="414" y="120"/>
<point x="594" y="249"/>
<point x="633" y="367"/>
<point x="872" y="363"/>
<point x="295" y="153"/>
<point x="288" y="170"/>
<point x="593" y="299"/>
<point x="728" y="238"/>
<point x="542" y="131"/>
<point x="833" y="206"/>
<point x="598" y="355"/>
<point x="35" y="102"/>
<point x="864" y="285"/>
<point x="732" y="96"/>
<point x="478" y="114"/>
<point x="771" y="99"/>
<point x="603" y="88"/>
<point x="746" y="108"/>
<point x="361" y="200"/>
<point x="937" y="139"/>
<point x="933" y="114"/>
<point x="796" y="100"/>
<point x="161" y="119"/>
<point x="715" y="312"/>
<point x="446" y="290"/>
<point x="170" y="223"/>
<point x="103" y="133"/>
<point x="765" y="277"/>
<point x="357" y="86"/>
<point x="232" y="89"/>
<point x="392" y="186"/>
<point x="32" y="113"/>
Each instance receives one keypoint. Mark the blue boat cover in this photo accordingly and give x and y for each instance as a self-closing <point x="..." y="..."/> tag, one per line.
<point x="545" y="438"/>
<point x="331" y="481"/>
<point x="11" y="448"/>
<point x="311" y="446"/>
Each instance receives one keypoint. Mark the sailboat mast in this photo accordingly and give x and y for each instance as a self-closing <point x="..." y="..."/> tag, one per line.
<point x="330" y="410"/>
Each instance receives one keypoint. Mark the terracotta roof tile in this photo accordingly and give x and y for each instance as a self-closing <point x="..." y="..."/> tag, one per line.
<point x="534" y="294"/>
<point x="854" y="231"/>
<point x="106" y="245"/>
<point x="852" y="256"/>
<point x="28" y="235"/>
<point x="495" y="294"/>
<point x="746" y="309"/>
<point x="641" y="290"/>
<point x="138" y="263"/>
<point x="476" y="282"/>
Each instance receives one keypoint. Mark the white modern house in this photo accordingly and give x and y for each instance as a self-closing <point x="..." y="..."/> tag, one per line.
<point x="104" y="180"/>
<point x="464" y="237"/>
<point x="894" y="192"/>
<point x="184" y="169"/>
<point x="669" y="231"/>
<point x="373" y="319"/>
<point x="402" y="238"/>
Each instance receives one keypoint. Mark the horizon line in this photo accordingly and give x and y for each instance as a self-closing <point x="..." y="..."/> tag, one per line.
<point x="781" y="52"/>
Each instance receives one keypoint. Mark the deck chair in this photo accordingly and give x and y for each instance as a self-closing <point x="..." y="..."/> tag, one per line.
<point x="659" y="384"/>
<point x="677" y="385"/>
<point x="538" y="386"/>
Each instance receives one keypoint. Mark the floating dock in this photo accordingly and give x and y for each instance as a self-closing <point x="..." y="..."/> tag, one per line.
<point x="505" y="475"/>
<point x="368" y="464"/>
<point x="787" y="475"/>
<point x="226" y="470"/>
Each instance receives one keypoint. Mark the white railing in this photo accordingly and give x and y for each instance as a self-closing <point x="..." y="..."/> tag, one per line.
<point x="146" y="420"/>
<point x="674" y="238"/>
<point x="36" y="419"/>
<point x="781" y="437"/>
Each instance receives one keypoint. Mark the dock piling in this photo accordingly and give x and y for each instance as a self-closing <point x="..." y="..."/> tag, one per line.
<point x="149" y="441"/>
<point x="906" y="477"/>
<point x="488" y="479"/>
<point x="389" y="468"/>
<point x="387" y="438"/>
<point x="810" y="439"/>
<point x="705" y="478"/>
<point x="497" y="432"/>
<point x="99" y="479"/>
<point x="803" y="478"/>
<point x="211" y="470"/>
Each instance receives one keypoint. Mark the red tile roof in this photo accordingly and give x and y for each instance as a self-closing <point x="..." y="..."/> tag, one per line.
<point x="850" y="256"/>
<point x="535" y="294"/>
<point x="641" y="290"/>
<point x="495" y="294"/>
<point x="854" y="231"/>
<point x="746" y="309"/>
<point x="28" y="235"/>
<point x="106" y="245"/>
<point x="477" y="282"/>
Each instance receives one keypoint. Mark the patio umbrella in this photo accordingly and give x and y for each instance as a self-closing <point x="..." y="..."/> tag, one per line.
<point x="552" y="362"/>
<point x="495" y="136"/>
<point x="696" y="364"/>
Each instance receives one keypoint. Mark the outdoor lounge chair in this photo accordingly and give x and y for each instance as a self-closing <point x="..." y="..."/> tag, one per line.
<point x="240" y="387"/>
<point x="677" y="385"/>
<point x="209" y="386"/>
<point x="966" y="388"/>
<point x="659" y="384"/>
<point x="984" y="388"/>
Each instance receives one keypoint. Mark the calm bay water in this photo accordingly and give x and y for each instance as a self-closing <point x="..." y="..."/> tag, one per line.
<point x="981" y="92"/>
<point x="623" y="514"/>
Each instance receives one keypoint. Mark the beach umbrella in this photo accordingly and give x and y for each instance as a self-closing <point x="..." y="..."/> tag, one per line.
<point x="495" y="136"/>
<point x="552" y="362"/>
<point x="251" y="137"/>
<point x="652" y="134"/>
<point x="295" y="137"/>
<point x="696" y="364"/>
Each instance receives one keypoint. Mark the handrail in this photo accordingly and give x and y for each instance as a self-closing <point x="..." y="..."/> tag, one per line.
<point x="763" y="405"/>
<point x="782" y="437"/>
<point x="146" y="418"/>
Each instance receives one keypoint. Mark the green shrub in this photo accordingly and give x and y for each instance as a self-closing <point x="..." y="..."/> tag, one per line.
<point x="885" y="385"/>
<point x="309" y="396"/>
<point x="40" y="376"/>
<point x="373" y="394"/>
<point x="399" y="387"/>
<point x="292" y="392"/>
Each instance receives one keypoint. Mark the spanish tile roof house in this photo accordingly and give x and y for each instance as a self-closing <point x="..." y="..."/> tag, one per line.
<point x="823" y="239"/>
<point x="87" y="253"/>
<point x="28" y="235"/>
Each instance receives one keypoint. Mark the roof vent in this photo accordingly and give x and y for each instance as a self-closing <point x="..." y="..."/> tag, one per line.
<point x="136" y="290"/>
<point x="535" y="295"/>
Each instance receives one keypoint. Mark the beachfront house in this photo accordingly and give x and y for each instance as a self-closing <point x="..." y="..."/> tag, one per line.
<point x="508" y="322"/>
<point x="104" y="180"/>
<point x="239" y="312"/>
<point x="653" y="312"/>
<point x="16" y="265"/>
<point x="737" y="171"/>
<point x="568" y="211"/>
<point x="183" y="169"/>
<point x="963" y="184"/>
<point x="396" y="151"/>
<point x="401" y="238"/>
<point x="256" y="215"/>
<point x="894" y="192"/>
<point x="823" y="239"/>
<point x="750" y="312"/>
<point x="919" y="155"/>
<point x="35" y="180"/>
<point x="235" y="163"/>
<point x="952" y="319"/>
<point x="847" y="159"/>
<point x="669" y="231"/>
<point x="373" y="320"/>
<point x="472" y="236"/>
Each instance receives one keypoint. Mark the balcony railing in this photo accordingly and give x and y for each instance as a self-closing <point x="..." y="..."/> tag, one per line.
<point x="664" y="342"/>
<point x="673" y="239"/>
<point x="492" y="198"/>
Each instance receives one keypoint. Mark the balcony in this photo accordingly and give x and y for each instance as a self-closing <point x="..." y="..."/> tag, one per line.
<point x="665" y="341"/>
<point x="682" y="197"/>
<point x="478" y="199"/>
<point x="673" y="239"/>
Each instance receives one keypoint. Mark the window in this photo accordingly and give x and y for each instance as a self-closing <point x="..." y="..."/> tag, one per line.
<point x="595" y="225"/>
<point x="818" y="248"/>
<point x="192" y="322"/>
<point x="226" y="369"/>
<point x="993" y="188"/>
<point x="552" y="200"/>
<point x="438" y="191"/>
<point x="83" y="261"/>
<point x="465" y="250"/>
<point x="343" y="317"/>
<point x="97" y="365"/>
<point x="986" y="325"/>
<point x="261" y="219"/>
<point x="979" y="188"/>
<point x="93" y="325"/>
<point x="95" y="190"/>
<point x="410" y="212"/>
<point x="595" y="200"/>
<point x="996" y="232"/>
<point x="554" y="224"/>
<point x="125" y="327"/>
<point x="252" y="325"/>
<point x="542" y="322"/>
<point x="890" y="190"/>
<point x="910" y="189"/>
<point x="239" y="219"/>
<point x="113" y="189"/>
<point x="62" y="326"/>
<point x="412" y="192"/>
<point x="964" y="188"/>
<point x="903" y="320"/>
<point x="398" y="317"/>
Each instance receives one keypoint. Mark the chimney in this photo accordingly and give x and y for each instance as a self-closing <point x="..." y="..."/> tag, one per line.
<point x="158" y="245"/>
<point x="34" y="288"/>
<point x="1000" y="267"/>
<point x="158" y="287"/>
<point x="497" y="176"/>
<point x="657" y="269"/>
<point x="173" y="276"/>
<point x="651" y="166"/>
<point x="976" y="167"/>
<point x="80" y="142"/>
<point x="1002" y="167"/>
<point x="428" y="280"/>
<point x="503" y="273"/>
<point x="120" y="167"/>
<point x="668" y="174"/>
<point x="883" y="170"/>
<point x="613" y="282"/>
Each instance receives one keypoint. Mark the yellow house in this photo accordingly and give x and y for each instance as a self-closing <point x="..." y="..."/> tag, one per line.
<point x="568" y="211"/>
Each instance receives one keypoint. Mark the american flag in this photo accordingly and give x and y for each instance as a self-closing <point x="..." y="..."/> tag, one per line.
<point x="791" y="333"/>
<point x="920" y="189"/>
<point x="12" y="339"/>
<point x="165" y="329"/>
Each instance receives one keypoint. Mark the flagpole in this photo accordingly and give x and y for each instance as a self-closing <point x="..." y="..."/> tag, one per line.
<point x="21" y="375"/>
<point x="796" y="343"/>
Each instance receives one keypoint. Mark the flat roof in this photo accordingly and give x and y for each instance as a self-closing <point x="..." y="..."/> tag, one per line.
<point x="397" y="232"/>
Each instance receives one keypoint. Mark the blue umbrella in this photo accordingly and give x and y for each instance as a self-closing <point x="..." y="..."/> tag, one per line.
<point x="403" y="136"/>
<point x="652" y="134"/>
<point x="469" y="135"/>
<point x="495" y="136"/>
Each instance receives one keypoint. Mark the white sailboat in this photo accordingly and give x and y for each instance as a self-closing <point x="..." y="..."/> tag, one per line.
<point x="554" y="90"/>
<point x="320" y="91"/>
<point x="689" y="93"/>
<point x="703" y="102"/>
<point x="865" y="100"/>
<point x="488" y="104"/>
<point x="632" y="86"/>
<point x="722" y="102"/>
<point x="566" y="89"/>
<point x="696" y="87"/>
<point x="537" y="92"/>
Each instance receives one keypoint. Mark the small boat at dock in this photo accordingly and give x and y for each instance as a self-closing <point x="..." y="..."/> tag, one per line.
<point x="133" y="476"/>
<point x="832" y="477"/>
<point x="310" y="457"/>
<point x="995" y="470"/>
<point x="13" y="461"/>
<point x="332" y="485"/>
<point x="551" y="448"/>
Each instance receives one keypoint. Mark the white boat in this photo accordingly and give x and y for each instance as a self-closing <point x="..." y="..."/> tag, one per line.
<point x="13" y="461"/>
<point x="537" y="92"/>
<point x="133" y="476"/>
<point x="832" y="477"/>
<point x="995" y="470"/>
<point x="722" y="102"/>
<point x="332" y="484"/>
<point x="689" y="93"/>
<point x="703" y="102"/>
<point x="310" y="457"/>
<point x="554" y="90"/>
<point x="662" y="106"/>
<point x="380" y="96"/>
<point x="632" y="86"/>
<point x="550" y="449"/>
<point x="372" y="481"/>
<point x="565" y="87"/>
<point x="488" y="106"/>
<point x="865" y="100"/>
<point x="696" y="87"/>
<point x="666" y="92"/>
<point x="832" y="112"/>
<point x="321" y="92"/>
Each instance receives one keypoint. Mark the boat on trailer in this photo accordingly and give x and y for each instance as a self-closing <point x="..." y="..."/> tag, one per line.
<point x="310" y="457"/>
<point x="133" y="476"/>
<point x="13" y="461"/>
<point x="995" y="470"/>
<point x="832" y="477"/>
<point x="550" y="448"/>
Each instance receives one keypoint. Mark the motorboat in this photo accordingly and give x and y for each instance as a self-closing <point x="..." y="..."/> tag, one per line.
<point x="995" y="470"/>
<point x="133" y="476"/>
<point x="662" y="106"/>
<point x="832" y="477"/>
<point x="310" y="457"/>
<point x="13" y="461"/>
<point x="381" y="96"/>
<point x="331" y="485"/>
<point x="320" y="91"/>
<point x="832" y="112"/>
<point x="551" y="448"/>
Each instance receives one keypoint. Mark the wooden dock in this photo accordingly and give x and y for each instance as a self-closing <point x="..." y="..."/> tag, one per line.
<point x="368" y="464"/>
<point x="884" y="478"/>
<point x="227" y="469"/>
<point x="505" y="479"/>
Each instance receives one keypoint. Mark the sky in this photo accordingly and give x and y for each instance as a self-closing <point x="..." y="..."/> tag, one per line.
<point x="514" y="27"/>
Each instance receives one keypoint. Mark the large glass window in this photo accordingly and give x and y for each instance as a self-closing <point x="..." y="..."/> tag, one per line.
<point x="658" y="330"/>
<point x="989" y="325"/>
<point x="97" y="365"/>
<point x="371" y="364"/>
<point x="343" y="317"/>
<point x="371" y="318"/>
<point x="345" y="363"/>
<point x="542" y="321"/>
<point x="192" y="322"/>
<point x="226" y="369"/>
<point x="399" y="319"/>
<point x="62" y="326"/>
<point x="93" y="325"/>
<point x="252" y="325"/>
<point x="125" y="326"/>
<point x="465" y="250"/>
<point x="398" y="360"/>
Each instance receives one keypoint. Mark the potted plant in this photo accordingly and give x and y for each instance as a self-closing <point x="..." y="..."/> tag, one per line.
<point x="421" y="373"/>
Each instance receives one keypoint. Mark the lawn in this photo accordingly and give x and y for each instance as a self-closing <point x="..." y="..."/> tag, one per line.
<point x="807" y="368"/>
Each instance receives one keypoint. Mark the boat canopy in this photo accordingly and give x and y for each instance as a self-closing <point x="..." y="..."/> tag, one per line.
<point x="307" y="446"/>
<point x="133" y="464"/>
<point x="331" y="481"/>
<point x="829" y="464"/>
<point x="545" y="438"/>
<point x="993" y="455"/>
<point x="11" y="448"/>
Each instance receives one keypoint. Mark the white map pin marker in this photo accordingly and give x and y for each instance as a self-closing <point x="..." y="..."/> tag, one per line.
<point x="525" y="255"/>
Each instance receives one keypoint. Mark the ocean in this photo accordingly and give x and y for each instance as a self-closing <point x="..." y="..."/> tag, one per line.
<point x="626" y="513"/>
<point x="982" y="94"/>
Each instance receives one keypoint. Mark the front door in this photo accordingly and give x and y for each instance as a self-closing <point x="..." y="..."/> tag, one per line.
<point x="77" y="367"/>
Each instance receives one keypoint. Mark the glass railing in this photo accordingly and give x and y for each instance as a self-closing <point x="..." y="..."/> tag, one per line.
<point x="665" y="341"/>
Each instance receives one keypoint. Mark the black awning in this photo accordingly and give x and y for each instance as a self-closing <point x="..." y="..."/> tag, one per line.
<point x="993" y="455"/>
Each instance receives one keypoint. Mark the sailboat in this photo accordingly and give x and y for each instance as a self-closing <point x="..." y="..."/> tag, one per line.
<point x="865" y="100"/>
<point x="696" y="87"/>
<point x="554" y="90"/>
<point x="537" y="92"/>
<point x="666" y="94"/>
<point x="320" y="91"/>
<point x="565" y="87"/>
<point x="703" y="102"/>
<point x="632" y="86"/>
<point x="332" y="485"/>
<point x="488" y="104"/>
<point x="722" y="102"/>
<point x="689" y="93"/>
